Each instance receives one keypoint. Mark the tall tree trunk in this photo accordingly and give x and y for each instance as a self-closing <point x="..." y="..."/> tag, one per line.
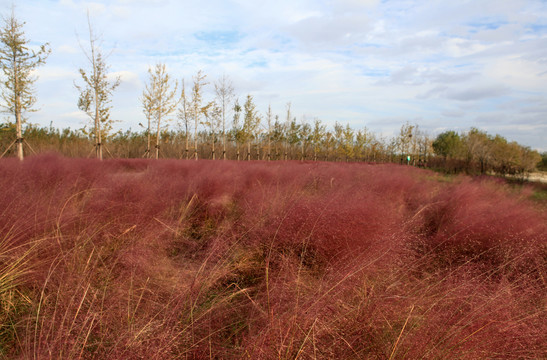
<point x="148" y="139"/>
<point x="223" y="137"/>
<point x="19" y="128"/>
<point x="17" y="105"/>
<point x="98" y="137"/>
<point x="269" y="145"/>
<point x="213" y="152"/>
<point x="196" y="139"/>
<point x="158" y="138"/>
<point x="186" y="140"/>
<point x="98" y="144"/>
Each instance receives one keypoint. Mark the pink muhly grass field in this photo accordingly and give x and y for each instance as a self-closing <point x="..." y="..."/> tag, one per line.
<point x="131" y="259"/>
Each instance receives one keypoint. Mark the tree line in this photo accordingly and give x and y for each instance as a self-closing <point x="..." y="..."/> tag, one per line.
<point x="485" y="153"/>
<point x="181" y="123"/>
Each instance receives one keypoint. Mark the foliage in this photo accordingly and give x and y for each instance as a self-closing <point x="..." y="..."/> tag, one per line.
<point x="287" y="141"/>
<point x="543" y="162"/>
<point x="448" y="144"/>
<point x="477" y="151"/>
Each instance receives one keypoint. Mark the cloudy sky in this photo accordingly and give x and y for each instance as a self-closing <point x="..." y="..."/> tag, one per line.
<point x="370" y="63"/>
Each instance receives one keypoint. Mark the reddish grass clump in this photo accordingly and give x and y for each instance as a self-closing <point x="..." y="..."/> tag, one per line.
<point x="479" y="224"/>
<point x="131" y="259"/>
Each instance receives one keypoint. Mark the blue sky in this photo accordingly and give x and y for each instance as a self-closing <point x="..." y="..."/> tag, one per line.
<point x="370" y="63"/>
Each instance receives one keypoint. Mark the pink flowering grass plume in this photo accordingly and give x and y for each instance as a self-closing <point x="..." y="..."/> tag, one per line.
<point x="131" y="259"/>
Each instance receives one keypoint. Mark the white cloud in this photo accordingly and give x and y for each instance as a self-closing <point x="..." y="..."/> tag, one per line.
<point x="127" y="77"/>
<point x="142" y="2"/>
<point x="518" y="73"/>
<point x="459" y="47"/>
<point x="69" y="3"/>
<point x="80" y="115"/>
<point x="51" y="73"/>
<point x="95" y="9"/>
<point x="346" y="5"/>
<point x="67" y="49"/>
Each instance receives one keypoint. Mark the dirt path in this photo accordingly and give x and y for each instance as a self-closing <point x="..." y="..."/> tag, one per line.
<point x="538" y="176"/>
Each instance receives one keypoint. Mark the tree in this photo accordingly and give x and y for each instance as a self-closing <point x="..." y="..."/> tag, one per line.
<point x="96" y="93"/>
<point x="159" y="98"/>
<point x="348" y="135"/>
<point x="251" y="120"/>
<point x="542" y="163"/>
<point x="288" y="122"/>
<point x="305" y="137"/>
<point x="529" y="159"/>
<point x="448" y="144"/>
<point x="269" y="123"/>
<point x="213" y="119"/>
<point x="184" y="116"/>
<point x="328" y="143"/>
<point x="148" y="110"/>
<point x="504" y="155"/>
<point x="237" y="130"/>
<point x="317" y="134"/>
<point x="361" y="144"/>
<point x="18" y="63"/>
<point x="424" y="143"/>
<point x="196" y="108"/>
<point x="338" y="139"/>
<point x="379" y="148"/>
<point x="404" y="142"/>
<point x="278" y="136"/>
<point x="224" y="91"/>
<point x="293" y="133"/>
<point x="479" y="148"/>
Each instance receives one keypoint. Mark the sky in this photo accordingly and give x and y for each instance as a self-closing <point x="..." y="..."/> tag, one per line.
<point x="443" y="65"/>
